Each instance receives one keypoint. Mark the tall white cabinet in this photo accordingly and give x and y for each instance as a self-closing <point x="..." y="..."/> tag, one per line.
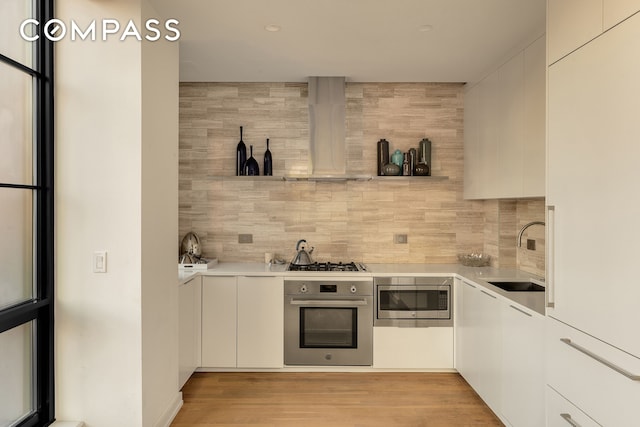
<point x="593" y="209"/>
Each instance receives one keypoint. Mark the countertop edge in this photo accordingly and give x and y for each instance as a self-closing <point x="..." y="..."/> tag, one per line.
<point x="534" y="302"/>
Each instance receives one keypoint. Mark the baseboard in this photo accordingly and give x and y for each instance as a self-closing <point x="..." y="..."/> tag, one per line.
<point x="67" y="424"/>
<point x="167" y="418"/>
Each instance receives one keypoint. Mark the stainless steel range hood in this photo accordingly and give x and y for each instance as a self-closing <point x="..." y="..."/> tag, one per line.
<point x="327" y="147"/>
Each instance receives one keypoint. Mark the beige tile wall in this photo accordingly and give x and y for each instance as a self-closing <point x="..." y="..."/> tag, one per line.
<point x="503" y="220"/>
<point x="344" y="221"/>
<point x="532" y="261"/>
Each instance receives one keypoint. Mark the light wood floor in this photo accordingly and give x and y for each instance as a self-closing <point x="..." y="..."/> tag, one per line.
<point x="331" y="399"/>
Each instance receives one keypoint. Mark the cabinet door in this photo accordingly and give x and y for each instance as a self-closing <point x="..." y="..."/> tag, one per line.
<point x="615" y="11"/>
<point x="422" y="348"/>
<point x="571" y="24"/>
<point x="523" y="383"/>
<point x="593" y="375"/>
<point x="532" y="163"/>
<point x="260" y="322"/>
<point x="219" y="302"/>
<point x="459" y="322"/>
<point x="472" y="167"/>
<point x="488" y="357"/>
<point x="510" y="116"/>
<point x="466" y="339"/>
<point x="562" y="413"/>
<point x="505" y="129"/>
<point x="593" y="176"/>
<point x="480" y="357"/>
<point x="189" y="329"/>
<point x="489" y="133"/>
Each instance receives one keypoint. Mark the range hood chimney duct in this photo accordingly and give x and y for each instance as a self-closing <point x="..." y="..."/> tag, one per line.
<point x="327" y="127"/>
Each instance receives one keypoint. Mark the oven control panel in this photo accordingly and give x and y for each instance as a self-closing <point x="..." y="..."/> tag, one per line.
<point x="328" y="287"/>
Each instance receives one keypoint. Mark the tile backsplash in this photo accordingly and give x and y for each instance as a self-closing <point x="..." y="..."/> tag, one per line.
<point x="503" y="221"/>
<point x="354" y="220"/>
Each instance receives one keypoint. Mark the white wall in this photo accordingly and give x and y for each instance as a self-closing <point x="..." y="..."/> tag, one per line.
<point x="107" y="325"/>
<point x="160" y="394"/>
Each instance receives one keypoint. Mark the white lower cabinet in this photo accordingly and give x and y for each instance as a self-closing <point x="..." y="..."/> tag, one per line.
<point x="242" y="322"/>
<point x="479" y="358"/>
<point x="500" y="353"/>
<point x="219" y="313"/>
<point x="601" y="380"/>
<point x="260" y="322"/>
<point x="189" y="318"/>
<point x="562" y="413"/>
<point x="413" y="348"/>
<point x="523" y="385"/>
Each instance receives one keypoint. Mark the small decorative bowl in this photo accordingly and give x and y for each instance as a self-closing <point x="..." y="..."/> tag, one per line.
<point x="474" y="259"/>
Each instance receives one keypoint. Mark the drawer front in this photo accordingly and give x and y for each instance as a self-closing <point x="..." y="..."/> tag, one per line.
<point x="583" y="370"/>
<point x="562" y="413"/>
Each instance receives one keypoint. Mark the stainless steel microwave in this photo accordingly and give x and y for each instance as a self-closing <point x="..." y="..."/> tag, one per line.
<point x="413" y="301"/>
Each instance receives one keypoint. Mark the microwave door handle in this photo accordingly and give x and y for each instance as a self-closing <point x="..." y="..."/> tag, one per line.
<point x="325" y="303"/>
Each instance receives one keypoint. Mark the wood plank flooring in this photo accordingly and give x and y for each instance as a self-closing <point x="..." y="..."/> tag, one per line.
<point x="331" y="399"/>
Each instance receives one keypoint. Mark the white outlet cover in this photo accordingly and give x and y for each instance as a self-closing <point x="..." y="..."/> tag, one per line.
<point x="100" y="262"/>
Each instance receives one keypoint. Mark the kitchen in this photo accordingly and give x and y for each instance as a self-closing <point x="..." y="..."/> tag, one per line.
<point x="141" y="178"/>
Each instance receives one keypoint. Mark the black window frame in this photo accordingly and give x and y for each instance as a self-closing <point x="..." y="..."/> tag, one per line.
<point x="40" y="307"/>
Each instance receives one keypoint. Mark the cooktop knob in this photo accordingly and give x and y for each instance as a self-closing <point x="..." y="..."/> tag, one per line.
<point x="303" y="289"/>
<point x="353" y="289"/>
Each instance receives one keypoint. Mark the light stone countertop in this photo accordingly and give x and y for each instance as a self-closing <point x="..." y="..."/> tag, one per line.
<point x="534" y="301"/>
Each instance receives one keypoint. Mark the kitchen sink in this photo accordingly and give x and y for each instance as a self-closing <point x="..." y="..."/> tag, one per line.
<point x="524" y="286"/>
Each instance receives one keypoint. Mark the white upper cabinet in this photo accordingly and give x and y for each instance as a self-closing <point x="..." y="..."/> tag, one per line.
<point x="472" y="150"/>
<point x="616" y="11"/>
<point x="504" y="129"/>
<point x="535" y="104"/>
<point x="571" y="24"/>
<point x="510" y="124"/>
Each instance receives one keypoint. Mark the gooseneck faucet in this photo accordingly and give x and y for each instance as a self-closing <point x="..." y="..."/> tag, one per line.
<point x="524" y="227"/>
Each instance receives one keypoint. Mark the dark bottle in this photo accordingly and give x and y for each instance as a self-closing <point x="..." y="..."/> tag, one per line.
<point x="424" y="153"/>
<point x="268" y="162"/>
<point x="406" y="165"/>
<point x="251" y="165"/>
<point x="413" y="159"/>
<point x="241" y="155"/>
<point x="383" y="155"/>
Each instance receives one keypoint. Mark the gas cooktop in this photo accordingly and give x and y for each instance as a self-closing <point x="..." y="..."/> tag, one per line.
<point x="329" y="266"/>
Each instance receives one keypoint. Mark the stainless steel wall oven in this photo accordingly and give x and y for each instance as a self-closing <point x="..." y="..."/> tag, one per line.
<point x="413" y="301"/>
<point x="328" y="321"/>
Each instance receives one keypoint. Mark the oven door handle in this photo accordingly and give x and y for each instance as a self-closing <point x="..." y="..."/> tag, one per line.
<point x="324" y="303"/>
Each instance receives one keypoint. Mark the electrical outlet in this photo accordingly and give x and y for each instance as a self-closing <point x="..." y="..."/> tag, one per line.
<point x="400" y="239"/>
<point x="531" y="244"/>
<point x="245" y="238"/>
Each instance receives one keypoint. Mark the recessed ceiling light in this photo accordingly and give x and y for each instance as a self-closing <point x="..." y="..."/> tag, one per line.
<point x="425" y="28"/>
<point x="272" y="28"/>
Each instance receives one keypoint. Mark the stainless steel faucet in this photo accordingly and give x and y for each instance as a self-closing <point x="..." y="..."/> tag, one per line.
<point x="524" y="227"/>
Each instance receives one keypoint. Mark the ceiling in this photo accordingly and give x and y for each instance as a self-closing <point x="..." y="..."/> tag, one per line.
<point x="363" y="40"/>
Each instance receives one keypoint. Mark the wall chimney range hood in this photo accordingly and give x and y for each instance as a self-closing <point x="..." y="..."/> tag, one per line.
<point x="327" y="149"/>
